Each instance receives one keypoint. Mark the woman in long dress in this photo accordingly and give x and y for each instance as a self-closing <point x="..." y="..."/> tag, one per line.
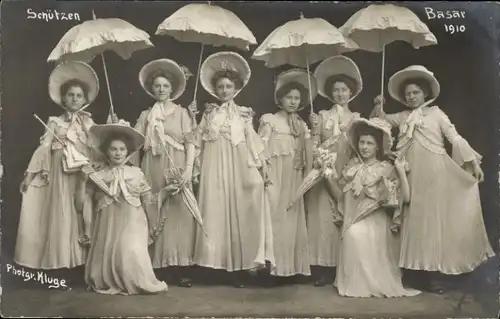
<point x="118" y="260"/>
<point x="443" y="229"/>
<point x="368" y="187"/>
<point x="288" y="144"/>
<point x="165" y="126"/>
<point x="339" y="80"/>
<point x="52" y="233"/>
<point x="232" y="199"/>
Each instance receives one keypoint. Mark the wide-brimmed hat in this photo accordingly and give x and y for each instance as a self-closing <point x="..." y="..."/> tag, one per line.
<point x="337" y="65"/>
<point x="223" y="61"/>
<point x="412" y="72"/>
<point x="376" y="123"/>
<point x="73" y="70"/>
<point x="101" y="132"/>
<point x="299" y="76"/>
<point x="168" y="66"/>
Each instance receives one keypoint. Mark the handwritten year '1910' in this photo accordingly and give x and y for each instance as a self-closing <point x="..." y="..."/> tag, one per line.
<point x="454" y="28"/>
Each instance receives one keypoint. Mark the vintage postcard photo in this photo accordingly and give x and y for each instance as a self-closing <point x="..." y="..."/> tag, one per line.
<point x="250" y="159"/>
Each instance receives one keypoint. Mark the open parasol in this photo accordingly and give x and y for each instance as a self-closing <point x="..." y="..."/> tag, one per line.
<point x="374" y="27"/>
<point x="302" y="42"/>
<point x="207" y="24"/>
<point x="93" y="37"/>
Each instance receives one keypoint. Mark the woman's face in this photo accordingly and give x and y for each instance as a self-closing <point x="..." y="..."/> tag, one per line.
<point x="225" y="89"/>
<point x="162" y="88"/>
<point x="341" y="93"/>
<point x="74" y="98"/>
<point x="367" y="146"/>
<point x="117" y="152"/>
<point x="414" y="96"/>
<point x="291" y="101"/>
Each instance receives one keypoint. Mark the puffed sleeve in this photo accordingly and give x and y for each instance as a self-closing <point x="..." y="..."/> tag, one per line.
<point x="255" y="144"/>
<point x="141" y="127"/>
<point x="143" y="187"/>
<point x="266" y="127"/>
<point x="187" y="129"/>
<point x="390" y="194"/>
<point x="395" y="119"/>
<point x="40" y="160"/>
<point x="462" y="151"/>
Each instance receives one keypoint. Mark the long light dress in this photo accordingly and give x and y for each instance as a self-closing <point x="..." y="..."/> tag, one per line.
<point x="286" y="154"/>
<point x="368" y="255"/>
<point x="50" y="226"/>
<point x="118" y="260"/>
<point x="322" y="233"/>
<point x="174" y="245"/>
<point x="232" y="198"/>
<point x="442" y="227"/>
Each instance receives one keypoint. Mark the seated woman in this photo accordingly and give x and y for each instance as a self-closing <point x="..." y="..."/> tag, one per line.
<point x="366" y="189"/>
<point x="118" y="260"/>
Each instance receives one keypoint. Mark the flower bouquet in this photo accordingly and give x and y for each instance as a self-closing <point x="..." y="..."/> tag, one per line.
<point x="324" y="166"/>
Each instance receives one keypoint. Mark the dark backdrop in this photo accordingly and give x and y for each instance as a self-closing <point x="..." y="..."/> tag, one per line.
<point x="464" y="63"/>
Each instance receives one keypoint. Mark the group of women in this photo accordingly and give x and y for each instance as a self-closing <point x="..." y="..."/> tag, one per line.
<point x="124" y="213"/>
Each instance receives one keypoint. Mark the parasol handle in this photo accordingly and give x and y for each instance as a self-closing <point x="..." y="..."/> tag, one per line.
<point x="383" y="73"/>
<point x="112" y="109"/>
<point x="49" y="130"/>
<point x="310" y="85"/>
<point x="198" y="72"/>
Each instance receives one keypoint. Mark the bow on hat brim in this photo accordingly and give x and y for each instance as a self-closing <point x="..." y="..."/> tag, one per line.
<point x="223" y="61"/>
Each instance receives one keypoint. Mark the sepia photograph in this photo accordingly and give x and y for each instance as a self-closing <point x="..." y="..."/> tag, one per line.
<point x="252" y="159"/>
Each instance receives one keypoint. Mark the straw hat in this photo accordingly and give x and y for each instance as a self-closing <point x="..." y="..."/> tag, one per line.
<point x="168" y="66"/>
<point x="101" y="132"/>
<point x="376" y="123"/>
<point x="299" y="76"/>
<point x="412" y="72"/>
<point x="73" y="70"/>
<point x="222" y="61"/>
<point x="337" y="65"/>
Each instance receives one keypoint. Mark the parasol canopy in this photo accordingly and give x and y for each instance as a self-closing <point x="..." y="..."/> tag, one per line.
<point x="207" y="24"/>
<point x="85" y="41"/>
<point x="302" y="42"/>
<point x="374" y="27"/>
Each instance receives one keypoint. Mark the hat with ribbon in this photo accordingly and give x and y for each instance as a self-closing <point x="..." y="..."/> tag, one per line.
<point x="224" y="61"/>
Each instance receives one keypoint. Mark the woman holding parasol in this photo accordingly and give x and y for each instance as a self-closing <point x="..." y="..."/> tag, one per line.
<point x="167" y="150"/>
<point x="51" y="232"/>
<point x="232" y="197"/>
<point x="339" y="80"/>
<point x="443" y="229"/>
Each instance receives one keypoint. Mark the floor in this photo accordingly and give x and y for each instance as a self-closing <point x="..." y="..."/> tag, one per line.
<point x="302" y="300"/>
